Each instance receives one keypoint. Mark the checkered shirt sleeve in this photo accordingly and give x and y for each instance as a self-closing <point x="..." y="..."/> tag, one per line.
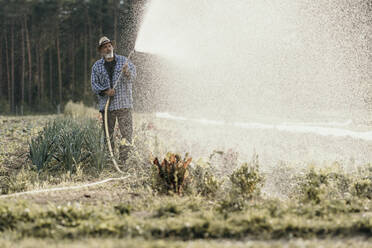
<point x="123" y="93"/>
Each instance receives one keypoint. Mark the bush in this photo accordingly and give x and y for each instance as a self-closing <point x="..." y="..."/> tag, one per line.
<point x="363" y="188"/>
<point x="247" y="180"/>
<point x="204" y="181"/>
<point x="318" y="186"/>
<point x="314" y="186"/>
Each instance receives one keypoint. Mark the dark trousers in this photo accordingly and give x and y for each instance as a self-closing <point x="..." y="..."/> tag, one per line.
<point x="124" y="117"/>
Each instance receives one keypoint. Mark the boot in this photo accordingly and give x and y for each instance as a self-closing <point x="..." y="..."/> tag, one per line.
<point x="124" y="153"/>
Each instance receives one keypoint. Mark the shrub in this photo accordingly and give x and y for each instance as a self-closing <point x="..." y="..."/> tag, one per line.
<point x="171" y="173"/>
<point x="314" y="186"/>
<point x="247" y="180"/>
<point x="205" y="183"/>
<point x="318" y="186"/>
<point x="363" y="188"/>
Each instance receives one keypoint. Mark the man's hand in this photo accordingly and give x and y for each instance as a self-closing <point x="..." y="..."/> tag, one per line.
<point x="126" y="70"/>
<point x="110" y="92"/>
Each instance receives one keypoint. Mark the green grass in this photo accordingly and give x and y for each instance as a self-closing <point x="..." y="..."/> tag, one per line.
<point x="188" y="218"/>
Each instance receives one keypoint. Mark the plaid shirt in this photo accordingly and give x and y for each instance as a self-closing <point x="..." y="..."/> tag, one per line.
<point x="123" y="91"/>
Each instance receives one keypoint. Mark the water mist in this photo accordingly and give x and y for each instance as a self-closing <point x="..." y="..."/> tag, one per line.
<point x="286" y="79"/>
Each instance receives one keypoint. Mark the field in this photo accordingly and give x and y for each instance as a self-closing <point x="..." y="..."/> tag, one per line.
<point x="229" y="196"/>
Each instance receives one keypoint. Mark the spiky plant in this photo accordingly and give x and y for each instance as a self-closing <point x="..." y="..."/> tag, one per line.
<point x="70" y="142"/>
<point x="41" y="151"/>
<point x="70" y="148"/>
<point x="95" y="148"/>
<point x="172" y="172"/>
<point x="43" y="146"/>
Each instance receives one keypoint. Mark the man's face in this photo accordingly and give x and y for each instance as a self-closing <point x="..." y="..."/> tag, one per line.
<point x="107" y="50"/>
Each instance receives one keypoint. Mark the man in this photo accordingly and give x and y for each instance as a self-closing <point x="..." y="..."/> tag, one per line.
<point x="105" y="72"/>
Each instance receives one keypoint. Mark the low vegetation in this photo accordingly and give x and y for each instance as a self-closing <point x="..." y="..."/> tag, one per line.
<point x="172" y="197"/>
<point x="65" y="143"/>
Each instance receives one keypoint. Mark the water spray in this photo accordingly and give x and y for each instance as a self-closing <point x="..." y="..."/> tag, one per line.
<point x="105" y="116"/>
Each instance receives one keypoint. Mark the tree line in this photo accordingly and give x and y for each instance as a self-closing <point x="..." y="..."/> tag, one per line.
<point x="47" y="48"/>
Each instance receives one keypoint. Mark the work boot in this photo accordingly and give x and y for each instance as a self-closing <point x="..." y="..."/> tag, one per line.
<point x="124" y="153"/>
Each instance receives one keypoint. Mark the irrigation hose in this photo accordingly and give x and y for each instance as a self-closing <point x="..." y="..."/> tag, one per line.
<point x="64" y="188"/>
<point x="106" y="119"/>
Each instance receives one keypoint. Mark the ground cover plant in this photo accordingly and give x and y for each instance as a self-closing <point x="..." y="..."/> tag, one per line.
<point x="194" y="197"/>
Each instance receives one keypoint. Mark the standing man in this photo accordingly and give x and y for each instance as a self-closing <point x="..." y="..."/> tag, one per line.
<point x="105" y="72"/>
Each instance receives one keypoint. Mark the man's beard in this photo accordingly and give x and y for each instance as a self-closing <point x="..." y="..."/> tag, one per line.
<point x="109" y="55"/>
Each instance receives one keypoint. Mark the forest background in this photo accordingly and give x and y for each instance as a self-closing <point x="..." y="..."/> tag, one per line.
<point x="47" y="48"/>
